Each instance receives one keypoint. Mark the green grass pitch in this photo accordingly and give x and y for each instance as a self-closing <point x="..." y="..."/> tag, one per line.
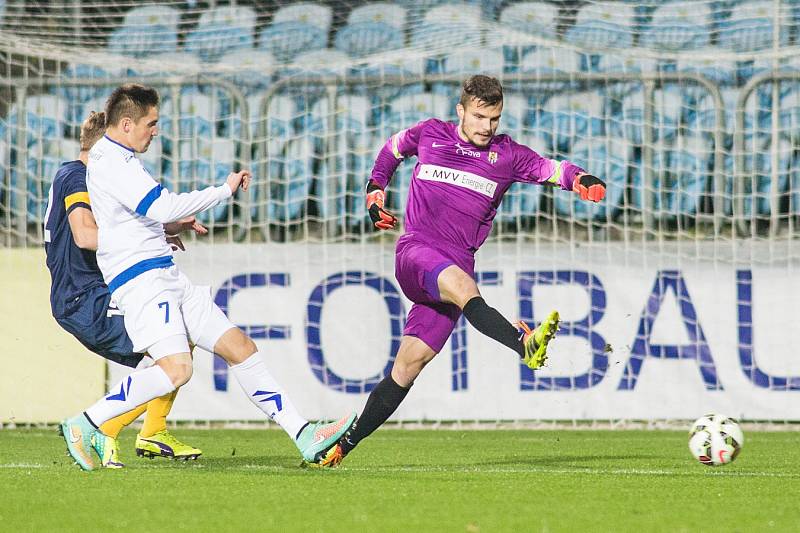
<point x="404" y="480"/>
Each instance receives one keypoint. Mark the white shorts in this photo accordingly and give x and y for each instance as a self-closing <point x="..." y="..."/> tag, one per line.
<point x="164" y="312"/>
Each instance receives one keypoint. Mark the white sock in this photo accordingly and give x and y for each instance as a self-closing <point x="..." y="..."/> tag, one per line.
<point x="138" y="388"/>
<point x="267" y="395"/>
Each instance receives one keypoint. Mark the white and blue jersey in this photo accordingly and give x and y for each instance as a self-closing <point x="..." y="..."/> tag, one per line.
<point x="131" y="208"/>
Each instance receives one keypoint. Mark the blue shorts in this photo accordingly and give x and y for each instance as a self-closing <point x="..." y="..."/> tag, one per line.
<point x="105" y="335"/>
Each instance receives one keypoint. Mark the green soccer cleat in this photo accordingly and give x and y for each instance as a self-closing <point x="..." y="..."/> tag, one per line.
<point x="108" y="450"/>
<point x="536" y="341"/>
<point x="77" y="432"/>
<point x="164" y="444"/>
<point x="316" y="440"/>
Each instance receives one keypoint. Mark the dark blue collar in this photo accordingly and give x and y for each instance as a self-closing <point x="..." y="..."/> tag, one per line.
<point x="131" y="150"/>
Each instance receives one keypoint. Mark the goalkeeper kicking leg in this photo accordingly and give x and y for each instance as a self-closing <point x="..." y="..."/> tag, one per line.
<point x="442" y="291"/>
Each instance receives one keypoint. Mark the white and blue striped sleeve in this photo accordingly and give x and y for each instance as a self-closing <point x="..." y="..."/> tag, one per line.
<point x="141" y="193"/>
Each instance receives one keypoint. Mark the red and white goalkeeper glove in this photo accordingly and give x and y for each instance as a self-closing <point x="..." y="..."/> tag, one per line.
<point x="380" y="217"/>
<point x="589" y="187"/>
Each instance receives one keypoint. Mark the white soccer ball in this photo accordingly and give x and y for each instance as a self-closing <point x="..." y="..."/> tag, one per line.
<point x="715" y="439"/>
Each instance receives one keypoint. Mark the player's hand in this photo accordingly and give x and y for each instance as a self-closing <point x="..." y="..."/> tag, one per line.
<point x="185" y="224"/>
<point x="380" y="217"/>
<point x="239" y="179"/>
<point x="589" y="187"/>
<point x="175" y="243"/>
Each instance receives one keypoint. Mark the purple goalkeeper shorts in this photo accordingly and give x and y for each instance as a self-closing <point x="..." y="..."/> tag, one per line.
<point x="417" y="268"/>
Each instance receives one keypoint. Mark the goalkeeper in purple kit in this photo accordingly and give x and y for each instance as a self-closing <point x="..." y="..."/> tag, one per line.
<point x="462" y="172"/>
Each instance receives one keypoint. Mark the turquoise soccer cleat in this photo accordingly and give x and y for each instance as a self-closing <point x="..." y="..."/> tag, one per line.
<point x="316" y="439"/>
<point x="536" y="341"/>
<point x="77" y="432"/>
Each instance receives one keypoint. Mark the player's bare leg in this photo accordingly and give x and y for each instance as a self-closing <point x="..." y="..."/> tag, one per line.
<point x="459" y="288"/>
<point x="241" y="353"/>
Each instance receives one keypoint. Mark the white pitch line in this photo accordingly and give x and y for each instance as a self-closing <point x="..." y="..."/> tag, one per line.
<point x="21" y="465"/>
<point x="539" y="470"/>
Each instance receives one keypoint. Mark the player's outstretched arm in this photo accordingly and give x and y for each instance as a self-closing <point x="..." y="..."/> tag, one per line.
<point x="376" y="198"/>
<point x="83" y="227"/>
<point x="166" y="207"/>
<point x="589" y="187"/>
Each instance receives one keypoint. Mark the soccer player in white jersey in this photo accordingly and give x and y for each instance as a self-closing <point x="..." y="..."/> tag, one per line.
<point x="80" y="300"/>
<point x="463" y="170"/>
<point x="163" y="311"/>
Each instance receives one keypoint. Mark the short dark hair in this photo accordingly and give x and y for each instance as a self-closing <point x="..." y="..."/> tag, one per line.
<point x="92" y="129"/>
<point x="484" y="88"/>
<point x="130" y="100"/>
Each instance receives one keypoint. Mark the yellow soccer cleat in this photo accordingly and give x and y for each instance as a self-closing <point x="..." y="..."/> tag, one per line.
<point x="536" y="341"/>
<point x="164" y="444"/>
<point x="107" y="449"/>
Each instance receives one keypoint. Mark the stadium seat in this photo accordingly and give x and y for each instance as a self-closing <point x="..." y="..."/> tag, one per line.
<point x="515" y="115"/>
<point x="152" y="159"/>
<point x="751" y="26"/>
<point x="167" y="64"/>
<point x="77" y="96"/>
<point x="349" y="148"/>
<point x="756" y="189"/>
<point x="668" y="111"/>
<point x="465" y="62"/>
<point x="520" y="21"/>
<point x="701" y="115"/>
<point x="46" y="118"/>
<point x="43" y="159"/>
<point x="536" y="18"/>
<point x="603" y="156"/>
<point x="707" y="62"/>
<point x="544" y="61"/>
<point x="221" y="30"/>
<point x="681" y="175"/>
<point x="250" y="70"/>
<point x="448" y="26"/>
<point x="486" y="61"/>
<point x="146" y="30"/>
<point x="679" y="25"/>
<point x="297" y="28"/>
<point x="409" y="109"/>
<point x="367" y="38"/>
<point x="569" y="117"/>
<point x="390" y="13"/>
<point x="203" y="163"/>
<point x="372" y="28"/>
<point x="316" y="14"/>
<point x="289" y="180"/>
<point x="603" y="25"/>
<point x="411" y="67"/>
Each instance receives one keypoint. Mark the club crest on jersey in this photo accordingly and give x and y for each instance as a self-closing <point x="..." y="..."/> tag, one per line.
<point x="492" y="157"/>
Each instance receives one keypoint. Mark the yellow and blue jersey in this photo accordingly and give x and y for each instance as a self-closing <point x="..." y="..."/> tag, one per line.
<point x="73" y="271"/>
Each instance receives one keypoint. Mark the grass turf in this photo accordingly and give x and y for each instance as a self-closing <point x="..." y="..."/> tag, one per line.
<point x="408" y="481"/>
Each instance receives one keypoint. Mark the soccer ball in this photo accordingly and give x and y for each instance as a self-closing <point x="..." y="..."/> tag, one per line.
<point x="715" y="439"/>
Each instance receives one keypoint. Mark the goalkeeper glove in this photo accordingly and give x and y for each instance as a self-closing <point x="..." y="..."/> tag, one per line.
<point x="380" y="217"/>
<point x="589" y="187"/>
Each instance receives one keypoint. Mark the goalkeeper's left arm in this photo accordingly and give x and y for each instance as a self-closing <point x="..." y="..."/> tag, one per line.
<point x="533" y="168"/>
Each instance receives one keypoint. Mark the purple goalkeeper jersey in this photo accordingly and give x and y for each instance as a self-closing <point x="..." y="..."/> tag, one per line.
<point x="456" y="187"/>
